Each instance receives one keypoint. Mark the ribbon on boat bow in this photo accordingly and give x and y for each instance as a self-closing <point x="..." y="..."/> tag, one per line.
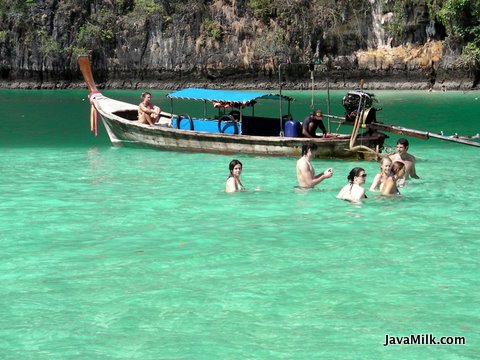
<point x="93" y="113"/>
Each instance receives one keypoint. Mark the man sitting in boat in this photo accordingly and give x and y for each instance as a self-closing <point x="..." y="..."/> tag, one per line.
<point x="312" y="122"/>
<point x="147" y="112"/>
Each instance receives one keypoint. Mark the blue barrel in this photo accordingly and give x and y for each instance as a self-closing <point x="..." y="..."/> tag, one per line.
<point x="292" y="128"/>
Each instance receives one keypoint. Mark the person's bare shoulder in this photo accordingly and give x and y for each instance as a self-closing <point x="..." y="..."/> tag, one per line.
<point x="410" y="157"/>
<point x="301" y="163"/>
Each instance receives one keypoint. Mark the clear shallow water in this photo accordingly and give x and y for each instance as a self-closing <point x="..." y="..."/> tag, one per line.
<point x="139" y="254"/>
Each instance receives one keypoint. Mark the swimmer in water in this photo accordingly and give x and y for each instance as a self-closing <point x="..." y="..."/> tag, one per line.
<point x="390" y="187"/>
<point x="354" y="191"/>
<point x="233" y="183"/>
<point x="305" y="173"/>
<point x="379" y="179"/>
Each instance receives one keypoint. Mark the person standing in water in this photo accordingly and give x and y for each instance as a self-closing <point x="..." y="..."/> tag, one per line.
<point x="305" y="173"/>
<point x="379" y="180"/>
<point x="407" y="159"/>
<point x="354" y="190"/>
<point x="233" y="182"/>
<point x="390" y="187"/>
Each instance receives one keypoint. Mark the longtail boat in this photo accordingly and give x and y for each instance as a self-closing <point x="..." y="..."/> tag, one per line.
<point x="236" y="129"/>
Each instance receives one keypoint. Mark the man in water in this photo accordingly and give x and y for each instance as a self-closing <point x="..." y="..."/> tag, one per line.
<point x="403" y="156"/>
<point x="312" y="122"/>
<point x="147" y="112"/>
<point x="305" y="173"/>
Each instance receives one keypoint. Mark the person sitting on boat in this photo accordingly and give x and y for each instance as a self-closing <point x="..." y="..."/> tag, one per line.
<point x="305" y="173"/>
<point x="233" y="182"/>
<point x="390" y="187"/>
<point x="147" y="112"/>
<point x="403" y="156"/>
<point x="379" y="180"/>
<point x="312" y="122"/>
<point x="354" y="191"/>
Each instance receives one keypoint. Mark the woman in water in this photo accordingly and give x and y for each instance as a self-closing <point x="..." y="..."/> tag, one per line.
<point x="233" y="182"/>
<point x="379" y="180"/>
<point x="390" y="185"/>
<point x="354" y="191"/>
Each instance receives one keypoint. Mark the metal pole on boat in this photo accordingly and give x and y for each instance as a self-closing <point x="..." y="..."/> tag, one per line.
<point x="328" y="97"/>
<point x="280" y="100"/>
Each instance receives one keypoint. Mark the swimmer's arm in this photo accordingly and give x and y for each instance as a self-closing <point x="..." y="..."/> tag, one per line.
<point x="310" y="180"/>
<point x="325" y="175"/>
<point x="413" y="172"/>
<point x="230" y="185"/>
<point x="375" y="183"/>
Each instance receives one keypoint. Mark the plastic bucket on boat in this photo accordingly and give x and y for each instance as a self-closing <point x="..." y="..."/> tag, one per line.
<point x="292" y="128"/>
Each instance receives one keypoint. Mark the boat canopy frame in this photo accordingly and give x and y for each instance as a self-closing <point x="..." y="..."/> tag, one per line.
<point x="229" y="99"/>
<point x="239" y="98"/>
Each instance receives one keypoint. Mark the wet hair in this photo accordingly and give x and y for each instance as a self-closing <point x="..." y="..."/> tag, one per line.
<point x="309" y="145"/>
<point x="402" y="141"/>
<point x="354" y="172"/>
<point x="234" y="163"/>
<point x="397" y="167"/>
<point x="386" y="159"/>
<point x="145" y="94"/>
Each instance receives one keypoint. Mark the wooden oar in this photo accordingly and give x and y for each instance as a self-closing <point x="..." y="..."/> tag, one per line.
<point x="420" y="134"/>
<point x="86" y="70"/>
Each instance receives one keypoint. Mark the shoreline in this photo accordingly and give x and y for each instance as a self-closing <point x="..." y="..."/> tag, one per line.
<point x="459" y="85"/>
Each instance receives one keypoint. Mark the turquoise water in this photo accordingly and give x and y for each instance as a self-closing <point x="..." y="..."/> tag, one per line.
<point x="122" y="253"/>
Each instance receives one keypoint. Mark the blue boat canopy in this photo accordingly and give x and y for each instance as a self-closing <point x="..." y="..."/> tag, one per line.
<point x="233" y="97"/>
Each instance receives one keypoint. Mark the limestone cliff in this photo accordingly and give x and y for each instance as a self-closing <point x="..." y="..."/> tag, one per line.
<point x="223" y="43"/>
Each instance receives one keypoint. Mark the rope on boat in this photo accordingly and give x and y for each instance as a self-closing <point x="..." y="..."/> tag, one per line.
<point x="365" y="149"/>
<point x="93" y="113"/>
<point x="358" y="118"/>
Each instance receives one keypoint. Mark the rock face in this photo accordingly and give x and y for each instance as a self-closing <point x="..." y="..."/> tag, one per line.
<point x="223" y="43"/>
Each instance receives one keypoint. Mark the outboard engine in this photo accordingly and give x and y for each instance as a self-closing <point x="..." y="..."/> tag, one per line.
<point x="356" y="101"/>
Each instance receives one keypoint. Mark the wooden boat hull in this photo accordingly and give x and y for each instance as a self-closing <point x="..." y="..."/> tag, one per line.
<point x="124" y="132"/>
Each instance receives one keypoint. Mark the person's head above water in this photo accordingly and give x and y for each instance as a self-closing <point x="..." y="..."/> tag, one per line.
<point x="234" y="166"/>
<point x="309" y="146"/>
<point x="398" y="167"/>
<point x="402" y="145"/>
<point x="356" y="172"/>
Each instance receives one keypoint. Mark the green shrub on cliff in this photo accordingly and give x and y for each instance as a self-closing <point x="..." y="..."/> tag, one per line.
<point x="212" y="29"/>
<point x="262" y="9"/>
<point x="461" y="19"/>
<point x="3" y="36"/>
<point x="49" y="47"/>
